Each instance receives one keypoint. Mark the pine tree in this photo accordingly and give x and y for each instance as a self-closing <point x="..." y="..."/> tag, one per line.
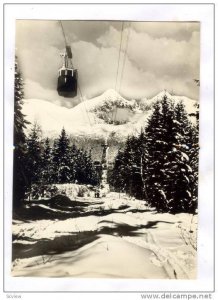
<point x="137" y="189"/>
<point x="128" y="167"/>
<point x="127" y="172"/>
<point x="90" y="173"/>
<point x="179" y="171"/>
<point x="168" y="172"/>
<point x="20" y="180"/>
<point x="73" y="162"/>
<point x="46" y="164"/>
<point x="131" y="166"/>
<point x="34" y="155"/>
<point x="117" y="177"/>
<point x="156" y="140"/>
<point x="81" y="167"/>
<point x="194" y="158"/>
<point x="62" y="159"/>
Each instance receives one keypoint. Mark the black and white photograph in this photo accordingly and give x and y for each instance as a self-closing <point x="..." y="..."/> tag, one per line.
<point x="106" y="149"/>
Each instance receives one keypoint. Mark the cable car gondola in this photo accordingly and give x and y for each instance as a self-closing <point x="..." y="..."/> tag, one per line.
<point x="67" y="76"/>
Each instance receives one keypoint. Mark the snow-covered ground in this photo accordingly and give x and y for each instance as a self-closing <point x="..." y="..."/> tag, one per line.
<point x="118" y="238"/>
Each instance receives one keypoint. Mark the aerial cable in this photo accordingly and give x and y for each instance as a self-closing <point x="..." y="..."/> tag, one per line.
<point x="124" y="62"/>
<point x="65" y="39"/>
<point x="118" y="64"/>
<point x="125" y="54"/>
<point x="67" y="46"/>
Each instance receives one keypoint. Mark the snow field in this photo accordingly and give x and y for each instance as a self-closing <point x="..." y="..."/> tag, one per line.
<point x="133" y="242"/>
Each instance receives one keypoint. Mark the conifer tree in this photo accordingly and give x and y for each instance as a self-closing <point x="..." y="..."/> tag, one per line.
<point x="156" y="148"/>
<point x="91" y="176"/>
<point x="34" y="152"/>
<point x="194" y="158"/>
<point x="179" y="171"/>
<point x="81" y="167"/>
<point x="20" y="180"/>
<point x="117" y="179"/>
<point x="47" y="168"/>
<point x="168" y="172"/>
<point x="62" y="159"/>
<point x="127" y="172"/>
<point x="137" y="189"/>
<point x="73" y="162"/>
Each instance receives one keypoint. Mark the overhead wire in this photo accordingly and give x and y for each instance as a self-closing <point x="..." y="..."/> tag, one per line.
<point x="125" y="54"/>
<point x="123" y="66"/>
<point x="118" y="65"/>
<point x="62" y="27"/>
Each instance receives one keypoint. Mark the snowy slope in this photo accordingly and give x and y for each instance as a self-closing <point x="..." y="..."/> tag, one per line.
<point x="108" y="96"/>
<point x="96" y="117"/>
<point x="130" y="240"/>
<point x="189" y="103"/>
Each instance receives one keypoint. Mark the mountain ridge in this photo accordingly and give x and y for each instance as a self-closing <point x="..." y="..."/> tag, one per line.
<point x="104" y="115"/>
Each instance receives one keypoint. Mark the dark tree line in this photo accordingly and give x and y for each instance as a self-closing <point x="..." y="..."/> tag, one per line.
<point x="161" y="164"/>
<point x="39" y="161"/>
<point x="57" y="162"/>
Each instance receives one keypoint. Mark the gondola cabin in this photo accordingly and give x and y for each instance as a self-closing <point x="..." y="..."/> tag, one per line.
<point x="67" y="76"/>
<point x="67" y="82"/>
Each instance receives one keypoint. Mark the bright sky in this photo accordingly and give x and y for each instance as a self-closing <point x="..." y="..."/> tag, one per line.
<point x="159" y="55"/>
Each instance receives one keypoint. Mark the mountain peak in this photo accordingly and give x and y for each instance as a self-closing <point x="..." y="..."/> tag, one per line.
<point x="160" y="95"/>
<point x="111" y="93"/>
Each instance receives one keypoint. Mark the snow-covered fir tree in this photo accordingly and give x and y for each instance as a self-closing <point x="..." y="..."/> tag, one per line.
<point x="46" y="165"/>
<point x="85" y="171"/>
<point x="80" y="170"/>
<point x="194" y="158"/>
<point x="62" y="159"/>
<point x="126" y="175"/>
<point x="181" y="196"/>
<point x="90" y="172"/>
<point x="156" y="147"/>
<point x="168" y="172"/>
<point x="20" y="180"/>
<point x="74" y="163"/>
<point x="34" y="155"/>
<point x="117" y="176"/>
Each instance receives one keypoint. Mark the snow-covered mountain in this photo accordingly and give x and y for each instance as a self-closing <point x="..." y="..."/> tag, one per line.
<point x="189" y="103"/>
<point x="106" y="115"/>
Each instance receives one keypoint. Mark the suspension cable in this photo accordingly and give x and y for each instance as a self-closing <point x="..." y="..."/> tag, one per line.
<point x="65" y="41"/>
<point x="125" y="54"/>
<point x="118" y="64"/>
<point x="62" y="27"/>
<point x="123" y="66"/>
